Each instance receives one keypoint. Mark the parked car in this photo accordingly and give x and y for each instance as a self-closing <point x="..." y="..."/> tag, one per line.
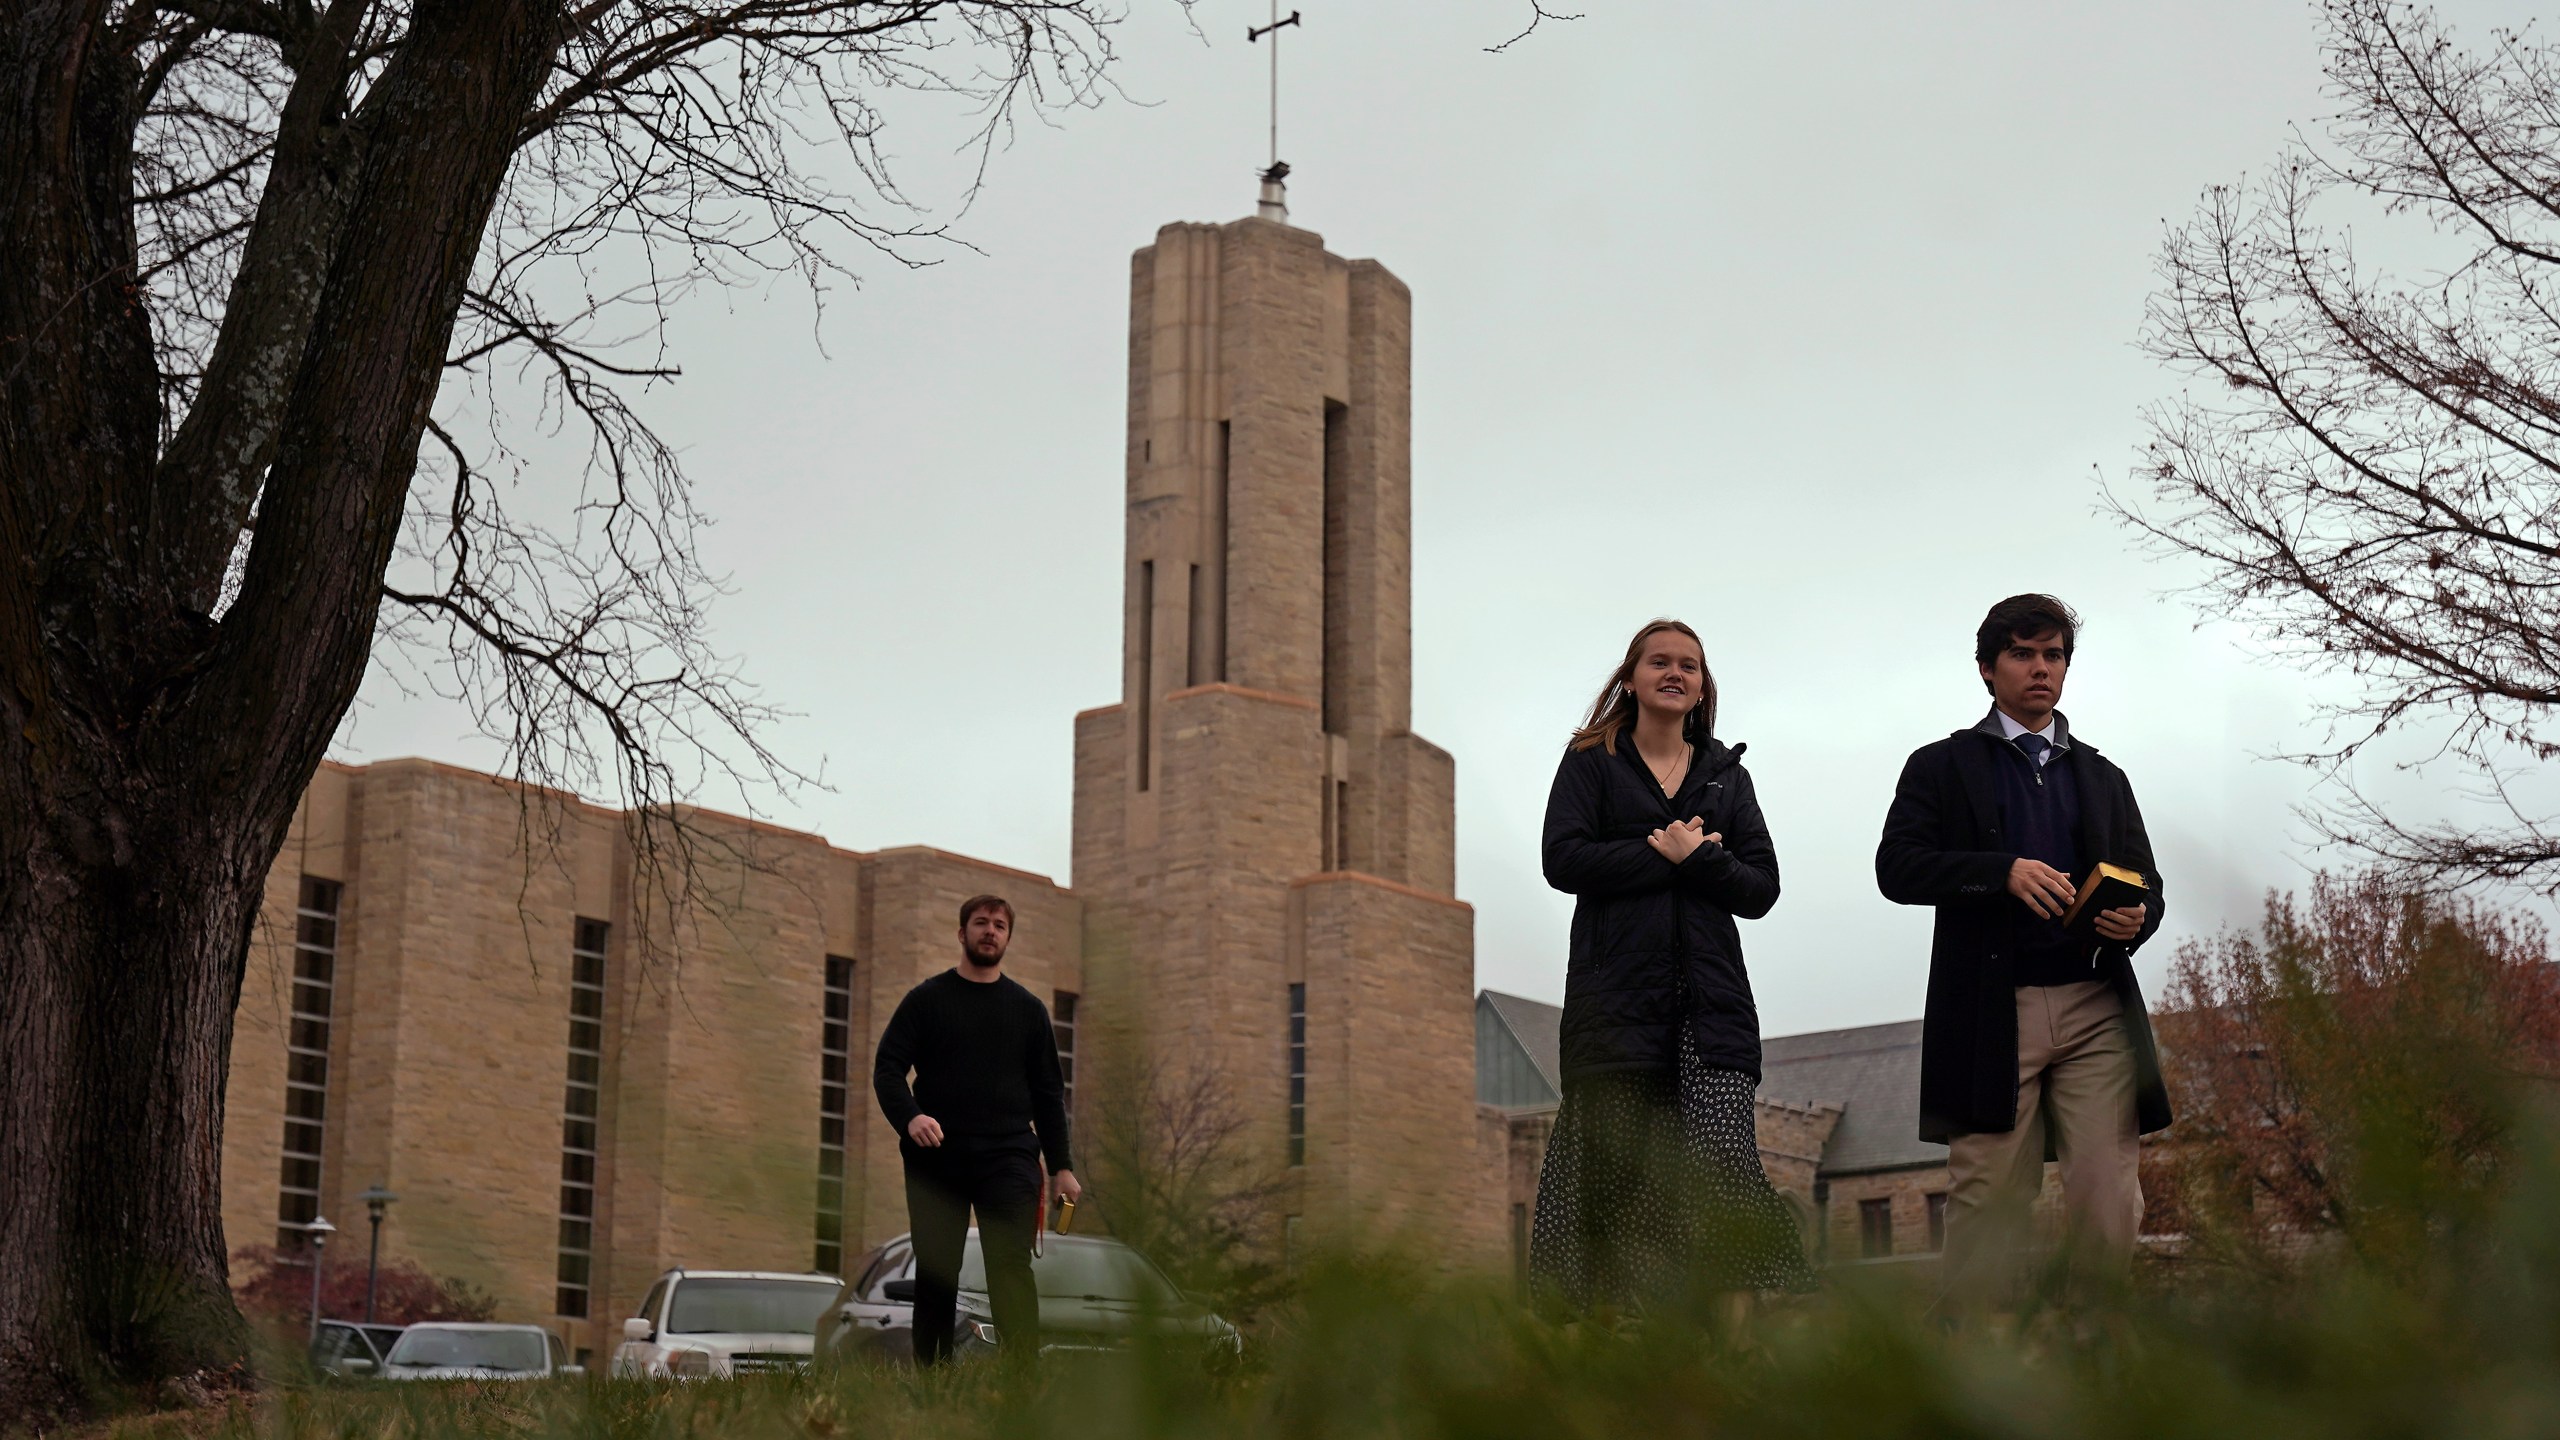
<point x="1096" y="1294"/>
<point x="457" y="1350"/>
<point x="702" y="1324"/>
<point x="346" y="1349"/>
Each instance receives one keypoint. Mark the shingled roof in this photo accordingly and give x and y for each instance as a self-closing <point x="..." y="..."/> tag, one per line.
<point x="1872" y="1072"/>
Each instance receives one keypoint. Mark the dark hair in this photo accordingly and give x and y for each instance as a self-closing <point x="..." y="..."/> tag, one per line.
<point x="2024" y="617"/>
<point x="976" y="903"/>
<point x="1615" y="710"/>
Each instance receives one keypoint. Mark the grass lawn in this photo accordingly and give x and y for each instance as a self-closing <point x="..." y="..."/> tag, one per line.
<point x="2469" y="1346"/>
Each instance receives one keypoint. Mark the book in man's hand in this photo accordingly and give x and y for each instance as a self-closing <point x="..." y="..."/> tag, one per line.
<point x="2109" y="887"/>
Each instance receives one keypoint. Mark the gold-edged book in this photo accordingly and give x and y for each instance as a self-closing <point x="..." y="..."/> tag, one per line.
<point x="2109" y="887"/>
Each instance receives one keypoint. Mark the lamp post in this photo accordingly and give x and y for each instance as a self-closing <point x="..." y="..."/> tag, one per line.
<point x="376" y="1200"/>
<point x="319" y="1230"/>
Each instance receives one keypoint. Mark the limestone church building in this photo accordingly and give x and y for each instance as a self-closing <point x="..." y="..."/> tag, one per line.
<point x="482" y="998"/>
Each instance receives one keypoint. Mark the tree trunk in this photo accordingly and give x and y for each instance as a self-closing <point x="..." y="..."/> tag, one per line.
<point x="123" y="937"/>
<point x="151" y="756"/>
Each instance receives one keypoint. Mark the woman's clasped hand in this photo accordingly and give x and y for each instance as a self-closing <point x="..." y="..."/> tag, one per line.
<point x="1678" y="840"/>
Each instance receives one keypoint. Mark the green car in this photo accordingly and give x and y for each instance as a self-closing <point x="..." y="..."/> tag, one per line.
<point x="1096" y="1295"/>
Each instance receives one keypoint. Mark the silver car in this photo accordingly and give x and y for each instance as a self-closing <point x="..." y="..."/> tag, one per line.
<point x="455" y="1350"/>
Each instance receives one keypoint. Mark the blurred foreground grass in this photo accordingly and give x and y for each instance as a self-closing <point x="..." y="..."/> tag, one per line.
<point x="2467" y="1346"/>
<point x="2368" y="1173"/>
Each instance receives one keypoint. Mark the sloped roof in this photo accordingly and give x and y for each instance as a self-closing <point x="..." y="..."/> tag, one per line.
<point x="1532" y="1036"/>
<point x="1534" y="1024"/>
<point x="1872" y="1072"/>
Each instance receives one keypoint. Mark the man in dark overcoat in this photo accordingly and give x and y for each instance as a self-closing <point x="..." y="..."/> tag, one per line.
<point x="2034" y="1042"/>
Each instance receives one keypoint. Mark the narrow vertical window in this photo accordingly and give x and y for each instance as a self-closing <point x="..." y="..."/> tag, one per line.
<point x="1194" y="653"/>
<point x="1331" y="859"/>
<point x="1297" y="1074"/>
<point x="1146" y="665"/>
<point x="1062" y="1018"/>
<point x="1226" y="438"/>
<point x="835" y="1061"/>
<point x="1341" y="836"/>
<point x="306" y="1065"/>
<point x="1875" y="1228"/>
<point x="579" y="1108"/>
<point x="1938" y="1220"/>
<point x="1336" y="573"/>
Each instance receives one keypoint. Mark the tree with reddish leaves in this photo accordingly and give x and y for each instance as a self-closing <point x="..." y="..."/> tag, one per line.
<point x="2369" y="472"/>
<point x="278" y="1287"/>
<point x="284" y="288"/>
<point x="2358" y="1072"/>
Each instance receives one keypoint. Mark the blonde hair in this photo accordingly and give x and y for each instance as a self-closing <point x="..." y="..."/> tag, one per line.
<point x="1615" y="710"/>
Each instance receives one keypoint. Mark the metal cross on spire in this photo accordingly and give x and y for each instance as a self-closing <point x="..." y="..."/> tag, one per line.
<point x="1253" y="35"/>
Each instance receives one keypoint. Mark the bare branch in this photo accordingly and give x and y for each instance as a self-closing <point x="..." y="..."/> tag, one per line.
<point x="2373" y="477"/>
<point x="244" y="17"/>
<point x="1539" y="14"/>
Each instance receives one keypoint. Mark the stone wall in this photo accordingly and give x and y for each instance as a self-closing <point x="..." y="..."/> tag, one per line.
<point x="1392" y="1151"/>
<point x="449" y="1018"/>
<point x="450" y="1026"/>
<point x="1791" y="1139"/>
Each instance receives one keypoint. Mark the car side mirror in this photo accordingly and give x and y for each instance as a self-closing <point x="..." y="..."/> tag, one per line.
<point x="902" y="1292"/>
<point x="356" y="1365"/>
<point x="636" y="1328"/>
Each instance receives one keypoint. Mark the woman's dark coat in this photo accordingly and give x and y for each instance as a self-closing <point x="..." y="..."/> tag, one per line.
<point x="1942" y="846"/>
<point x="1654" y="942"/>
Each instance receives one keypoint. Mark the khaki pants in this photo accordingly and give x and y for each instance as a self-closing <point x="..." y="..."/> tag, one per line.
<point x="2075" y="1074"/>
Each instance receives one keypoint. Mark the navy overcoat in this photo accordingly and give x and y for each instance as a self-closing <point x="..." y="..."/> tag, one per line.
<point x="1942" y="846"/>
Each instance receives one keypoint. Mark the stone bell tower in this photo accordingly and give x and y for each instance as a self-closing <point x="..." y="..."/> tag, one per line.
<point x="1262" y="845"/>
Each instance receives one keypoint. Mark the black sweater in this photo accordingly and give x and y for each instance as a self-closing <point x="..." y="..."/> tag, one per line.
<point x="986" y="1063"/>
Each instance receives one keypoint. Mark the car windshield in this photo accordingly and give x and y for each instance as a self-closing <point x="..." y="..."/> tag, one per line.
<point x="422" y="1346"/>
<point x="708" y="1306"/>
<point x="1083" y="1272"/>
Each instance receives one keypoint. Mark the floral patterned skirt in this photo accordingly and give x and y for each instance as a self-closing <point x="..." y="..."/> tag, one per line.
<point x="1652" y="1190"/>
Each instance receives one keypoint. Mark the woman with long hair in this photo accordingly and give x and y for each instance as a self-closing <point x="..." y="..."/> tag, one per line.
<point x="1652" y="1191"/>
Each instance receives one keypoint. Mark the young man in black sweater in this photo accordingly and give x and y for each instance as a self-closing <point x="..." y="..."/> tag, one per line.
<point x="988" y="1111"/>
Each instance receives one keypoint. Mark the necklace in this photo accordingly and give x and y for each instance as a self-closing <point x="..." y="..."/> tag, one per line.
<point x="1670" y="780"/>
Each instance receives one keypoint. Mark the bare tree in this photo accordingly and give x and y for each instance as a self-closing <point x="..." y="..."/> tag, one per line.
<point x="276" y="282"/>
<point x="2372" y="473"/>
<point x="1176" y="1178"/>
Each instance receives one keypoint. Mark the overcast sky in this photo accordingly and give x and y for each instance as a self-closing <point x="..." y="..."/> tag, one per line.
<point x="1811" y="325"/>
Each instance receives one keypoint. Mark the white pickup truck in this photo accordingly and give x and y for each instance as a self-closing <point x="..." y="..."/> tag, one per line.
<point x="708" y="1324"/>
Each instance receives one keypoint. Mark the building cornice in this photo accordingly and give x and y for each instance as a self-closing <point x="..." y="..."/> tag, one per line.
<point x="1323" y="877"/>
